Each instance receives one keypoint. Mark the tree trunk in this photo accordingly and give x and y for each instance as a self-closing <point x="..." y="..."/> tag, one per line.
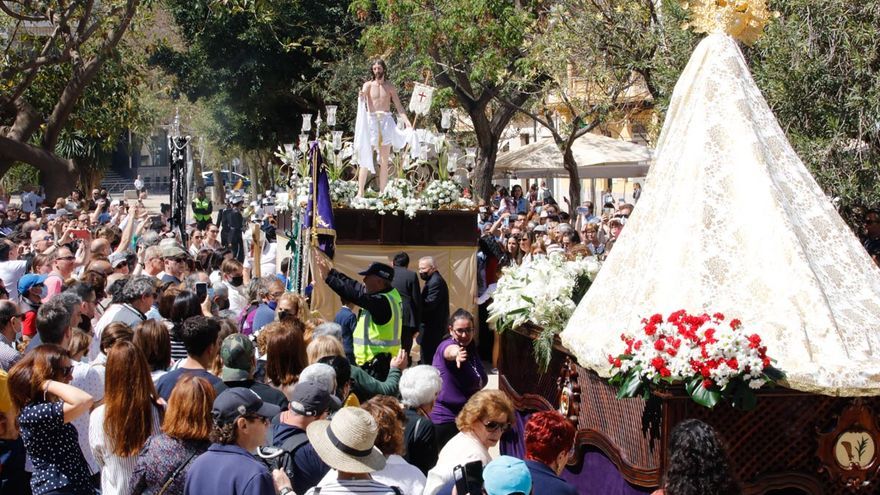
<point x="487" y="142"/>
<point x="58" y="175"/>
<point x="574" y="181"/>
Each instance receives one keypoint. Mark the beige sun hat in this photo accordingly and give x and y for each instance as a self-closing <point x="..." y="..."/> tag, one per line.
<point x="346" y="443"/>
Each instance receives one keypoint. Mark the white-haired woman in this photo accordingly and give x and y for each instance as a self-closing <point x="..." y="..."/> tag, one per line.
<point x="419" y="387"/>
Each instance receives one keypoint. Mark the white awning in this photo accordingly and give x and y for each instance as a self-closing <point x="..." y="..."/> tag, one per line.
<point x="598" y="157"/>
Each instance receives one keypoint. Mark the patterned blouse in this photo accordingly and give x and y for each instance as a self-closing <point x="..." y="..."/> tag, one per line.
<point x="53" y="448"/>
<point x="161" y="456"/>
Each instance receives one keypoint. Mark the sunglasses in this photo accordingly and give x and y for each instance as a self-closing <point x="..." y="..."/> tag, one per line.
<point x="493" y="426"/>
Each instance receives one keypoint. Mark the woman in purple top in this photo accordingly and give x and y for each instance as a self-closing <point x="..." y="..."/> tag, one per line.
<point x="462" y="373"/>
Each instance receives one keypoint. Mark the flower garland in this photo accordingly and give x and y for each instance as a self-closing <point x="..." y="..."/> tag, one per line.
<point x="713" y="358"/>
<point x="544" y="291"/>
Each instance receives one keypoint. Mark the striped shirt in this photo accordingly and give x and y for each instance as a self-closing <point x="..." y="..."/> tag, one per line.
<point x="116" y="472"/>
<point x="8" y="354"/>
<point x="339" y="487"/>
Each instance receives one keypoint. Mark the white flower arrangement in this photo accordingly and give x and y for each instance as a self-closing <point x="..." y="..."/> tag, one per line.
<point x="544" y="292"/>
<point x="342" y="191"/>
<point x="441" y="194"/>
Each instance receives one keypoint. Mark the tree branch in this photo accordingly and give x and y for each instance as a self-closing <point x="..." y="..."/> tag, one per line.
<point x="80" y="79"/>
<point x="21" y="17"/>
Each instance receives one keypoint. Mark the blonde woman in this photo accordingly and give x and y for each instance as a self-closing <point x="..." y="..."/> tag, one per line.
<point x="363" y="385"/>
<point x="482" y="421"/>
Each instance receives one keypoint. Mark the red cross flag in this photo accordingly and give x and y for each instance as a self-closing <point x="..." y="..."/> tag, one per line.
<point x="420" y="102"/>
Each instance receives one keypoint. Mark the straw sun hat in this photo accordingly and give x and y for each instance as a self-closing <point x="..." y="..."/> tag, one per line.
<point x="346" y="443"/>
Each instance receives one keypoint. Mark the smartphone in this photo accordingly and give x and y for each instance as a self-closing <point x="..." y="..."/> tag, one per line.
<point x="79" y="233"/>
<point x="582" y="210"/>
<point x="469" y="478"/>
<point x="201" y="291"/>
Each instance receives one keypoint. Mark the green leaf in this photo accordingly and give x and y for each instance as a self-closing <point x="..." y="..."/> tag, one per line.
<point x="631" y="385"/>
<point x="774" y="374"/>
<point x="703" y="396"/>
<point x="742" y="397"/>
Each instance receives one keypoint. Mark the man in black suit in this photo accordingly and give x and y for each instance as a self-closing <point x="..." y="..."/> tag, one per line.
<point x="407" y="284"/>
<point x="435" y="309"/>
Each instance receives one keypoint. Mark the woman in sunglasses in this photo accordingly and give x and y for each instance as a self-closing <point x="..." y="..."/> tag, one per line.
<point x="38" y="386"/>
<point x="462" y="373"/>
<point x="482" y="421"/>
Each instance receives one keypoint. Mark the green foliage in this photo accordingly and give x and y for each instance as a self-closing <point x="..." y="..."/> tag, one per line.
<point x="18" y="176"/>
<point x="819" y="69"/>
<point x="258" y="65"/>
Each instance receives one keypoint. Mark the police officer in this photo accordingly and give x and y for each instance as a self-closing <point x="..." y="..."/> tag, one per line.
<point x="380" y="321"/>
<point x="202" y="209"/>
<point x="233" y="222"/>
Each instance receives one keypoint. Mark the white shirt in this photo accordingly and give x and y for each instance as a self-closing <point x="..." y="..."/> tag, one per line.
<point x="88" y="380"/>
<point x="346" y="487"/>
<point x="116" y="312"/>
<point x="115" y="471"/>
<point x="463" y="448"/>
<point x="30" y="200"/>
<point x="10" y="273"/>
<point x="397" y="472"/>
<point x="237" y="300"/>
<point x="138" y="184"/>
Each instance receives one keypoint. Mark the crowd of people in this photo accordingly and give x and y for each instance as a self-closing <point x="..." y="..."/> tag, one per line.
<point x="135" y="363"/>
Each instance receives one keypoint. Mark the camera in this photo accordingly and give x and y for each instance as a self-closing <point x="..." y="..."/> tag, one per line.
<point x="271" y="456"/>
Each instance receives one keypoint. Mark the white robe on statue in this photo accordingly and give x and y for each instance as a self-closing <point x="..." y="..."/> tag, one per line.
<point x="371" y="129"/>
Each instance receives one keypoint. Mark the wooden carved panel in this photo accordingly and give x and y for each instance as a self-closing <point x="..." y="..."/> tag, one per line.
<point x="849" y="453"/>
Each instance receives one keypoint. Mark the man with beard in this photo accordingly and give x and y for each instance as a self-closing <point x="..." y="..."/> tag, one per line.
<point x="378" y="94"/>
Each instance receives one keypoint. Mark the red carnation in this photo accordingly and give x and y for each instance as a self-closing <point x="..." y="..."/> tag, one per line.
<point x="766" y="362"/>
<point x="656" y="319"/>
<point x="637" y="345"/>
<point x="650" y="329"/>
<point x="718" y="316"/>
<point x="733" y="363"/>
<point x="707" y="383"/>
<point x="671" y="351"/>
<point x="735" y="323"/>
<point x="658" y="362"/>
<point x="617" y="363"/>
<point x="705" y="372"/>
<point x="610" y="359"/>
<point x="664" y="372"/>
<point x="659" y="345"/>
<point x="754" y="341"/>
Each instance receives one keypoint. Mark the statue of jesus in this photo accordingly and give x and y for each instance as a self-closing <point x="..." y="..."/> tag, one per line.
<point x="379" y="94"/>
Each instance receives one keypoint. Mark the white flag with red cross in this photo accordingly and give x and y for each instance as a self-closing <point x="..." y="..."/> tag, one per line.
<point x="420" y="102"/>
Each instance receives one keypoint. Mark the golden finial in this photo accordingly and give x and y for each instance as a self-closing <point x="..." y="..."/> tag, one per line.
<point x="742" y="19"/>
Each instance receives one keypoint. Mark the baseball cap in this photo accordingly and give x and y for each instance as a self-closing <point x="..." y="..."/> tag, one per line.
<point x="27" y="281"/>
<point x="506" y="475"/>
<point x="237" y="353"/>
<point x="540" y="228"/>
<point x="116" y="259"/>
<point x="239" y="401"/>
<point x="172" y="251"/>
<point x="309" y="399"/>
<point x="381" y="270"/>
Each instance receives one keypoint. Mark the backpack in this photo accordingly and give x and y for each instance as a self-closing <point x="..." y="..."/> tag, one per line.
<point x="290" y="446"/>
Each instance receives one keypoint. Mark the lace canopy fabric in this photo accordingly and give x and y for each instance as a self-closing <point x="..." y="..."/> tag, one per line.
<point x="732" y="221"/>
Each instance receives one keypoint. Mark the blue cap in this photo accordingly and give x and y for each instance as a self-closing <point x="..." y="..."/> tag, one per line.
<point x="506" y="475"/>
<point x="27" y="281"/>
